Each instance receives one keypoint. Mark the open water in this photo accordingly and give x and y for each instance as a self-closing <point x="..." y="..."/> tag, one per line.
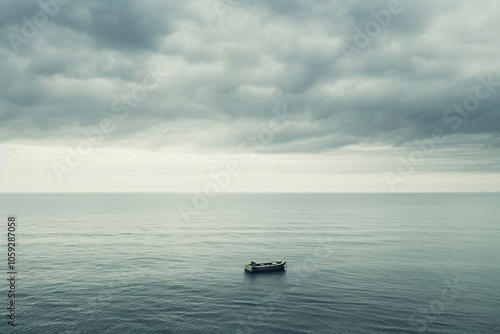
<point x="357" y="263"/>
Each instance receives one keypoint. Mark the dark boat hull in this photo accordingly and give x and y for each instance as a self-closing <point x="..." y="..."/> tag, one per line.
<point x="263" y="267"/>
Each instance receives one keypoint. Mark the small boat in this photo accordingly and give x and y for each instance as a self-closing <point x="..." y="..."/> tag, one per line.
<point x="269" y="266"/>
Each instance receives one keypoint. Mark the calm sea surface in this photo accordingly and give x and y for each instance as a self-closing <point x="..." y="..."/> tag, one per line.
<point x="357" y="263"/>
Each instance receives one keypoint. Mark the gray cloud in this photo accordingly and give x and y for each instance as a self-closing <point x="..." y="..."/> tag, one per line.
<point x="228" y="71"/>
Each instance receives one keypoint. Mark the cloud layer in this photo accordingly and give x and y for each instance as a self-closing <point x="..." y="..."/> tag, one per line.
<point x="230" y="63"/>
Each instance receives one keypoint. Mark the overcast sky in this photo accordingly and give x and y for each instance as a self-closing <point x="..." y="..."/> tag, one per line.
<point x="303" y="95"/>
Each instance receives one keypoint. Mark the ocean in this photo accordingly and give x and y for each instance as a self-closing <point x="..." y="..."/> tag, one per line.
<point x="357" y="263"/>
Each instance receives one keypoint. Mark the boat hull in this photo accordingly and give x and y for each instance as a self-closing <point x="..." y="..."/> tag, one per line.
<point x="264" y="267"/>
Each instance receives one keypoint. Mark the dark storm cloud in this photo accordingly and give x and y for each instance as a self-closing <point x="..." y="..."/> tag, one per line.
<point x="231" y="62"/>
<point x="126" y="24"/>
